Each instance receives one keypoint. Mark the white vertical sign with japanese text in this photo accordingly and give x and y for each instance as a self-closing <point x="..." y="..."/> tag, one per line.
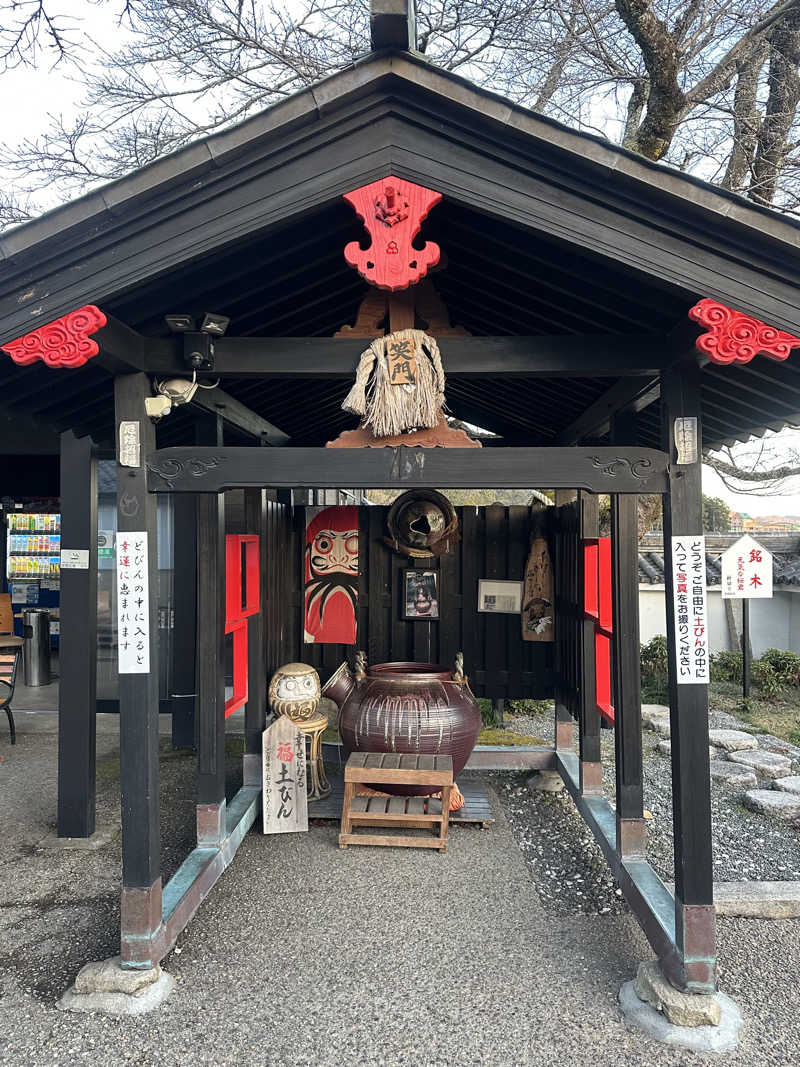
<point x="133" y="604"/>
<point x="690" y="604"/>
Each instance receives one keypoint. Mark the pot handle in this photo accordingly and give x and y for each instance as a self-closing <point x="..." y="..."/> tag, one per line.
<point x="458" y="670"/>
<point x="360" y="666"/>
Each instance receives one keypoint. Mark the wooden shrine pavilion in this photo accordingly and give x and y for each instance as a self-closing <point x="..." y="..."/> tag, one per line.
<point x="607" y="318"/>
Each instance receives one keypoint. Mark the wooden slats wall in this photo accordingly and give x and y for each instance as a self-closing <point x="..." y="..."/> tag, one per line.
<point x="569" y="604"/>
<point x="494" y="544"/>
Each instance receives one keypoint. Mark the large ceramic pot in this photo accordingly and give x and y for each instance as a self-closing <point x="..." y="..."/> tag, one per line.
<point x="406" y="707"/>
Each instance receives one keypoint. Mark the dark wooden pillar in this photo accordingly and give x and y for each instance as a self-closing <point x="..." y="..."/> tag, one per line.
<point x="626" y="674"/>
<point x="77" y="697"/>
<point x="255" y="712"/>
<point x="210" y="670"/>
<point x="565" y="608"/>
<point x="591" y="767"/>
<point x="183" y="695"/>
<point x="138" y="698"/>
<point x="691" y="789"/>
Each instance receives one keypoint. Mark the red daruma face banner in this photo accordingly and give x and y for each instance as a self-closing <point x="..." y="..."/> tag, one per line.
<point x="331" y="577"/>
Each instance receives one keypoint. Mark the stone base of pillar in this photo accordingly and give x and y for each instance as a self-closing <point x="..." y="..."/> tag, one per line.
<point x="702" y="1023"/>
<point x="108" y="987"/>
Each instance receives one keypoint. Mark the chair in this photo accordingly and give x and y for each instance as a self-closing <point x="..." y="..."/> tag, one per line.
<point x="8" y="638"/>
<point x="9" y="660"/>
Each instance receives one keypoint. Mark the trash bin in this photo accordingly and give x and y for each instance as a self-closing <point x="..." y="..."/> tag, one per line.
<point x="36" y="650"/>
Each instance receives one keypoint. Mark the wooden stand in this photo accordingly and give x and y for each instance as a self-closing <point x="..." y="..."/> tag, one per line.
<point x="392" y="768"/>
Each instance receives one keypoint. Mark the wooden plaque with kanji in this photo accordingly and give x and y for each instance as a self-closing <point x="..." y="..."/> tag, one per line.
<point x="285" y="806"/>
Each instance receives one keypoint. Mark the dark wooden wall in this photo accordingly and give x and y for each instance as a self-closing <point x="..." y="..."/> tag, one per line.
<point x="494" y="544"/>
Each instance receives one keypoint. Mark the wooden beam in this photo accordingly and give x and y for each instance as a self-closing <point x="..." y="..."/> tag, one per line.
<point x="587" y="355"/>
<point x="237" y="414"/>
<point x="601" y="470"/>
<point x="392" y="24"/>
<point x="77" y="712"/>
<point x="625" y="395"/>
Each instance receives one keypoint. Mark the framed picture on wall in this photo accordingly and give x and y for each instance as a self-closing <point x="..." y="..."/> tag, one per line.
<point x="420" y="595"/>
<point x="499" y="597"/>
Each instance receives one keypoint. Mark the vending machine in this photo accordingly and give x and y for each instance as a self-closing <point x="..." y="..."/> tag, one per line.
<point x="33" y="565"/>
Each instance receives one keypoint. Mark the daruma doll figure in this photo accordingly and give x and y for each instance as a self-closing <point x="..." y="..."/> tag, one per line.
<point x="331" y="577"/>
<point x="294" y="691"/>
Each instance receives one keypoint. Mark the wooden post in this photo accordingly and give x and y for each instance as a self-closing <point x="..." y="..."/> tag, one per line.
<point x="627" y="675"/>
<point x="183" y="690"/>
<point x="564" y="619"/>
<point x="77" y="697"/>
<point x="211" y="670"/>
<point x="591" y="767"/>
<point x="691" y="788"/>
<point x="140" y="918"/>
<point x="746" y="649"/>
<point x="255" y="712"/>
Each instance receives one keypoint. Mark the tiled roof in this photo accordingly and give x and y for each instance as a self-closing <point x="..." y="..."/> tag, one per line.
<point x="785" y="569"/>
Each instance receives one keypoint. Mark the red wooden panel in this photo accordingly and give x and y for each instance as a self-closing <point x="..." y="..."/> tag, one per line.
<point x="597" y="606"/>
<point x="239" y="698"/>
<point x="590" y="575"/>
<point x="234" y="608"/>
<point x="604" y="584"/>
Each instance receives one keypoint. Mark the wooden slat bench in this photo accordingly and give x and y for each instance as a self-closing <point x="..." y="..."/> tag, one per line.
<point x="393" y="768"/>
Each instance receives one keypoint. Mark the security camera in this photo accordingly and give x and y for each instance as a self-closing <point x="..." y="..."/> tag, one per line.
<point x="178" y="390"/>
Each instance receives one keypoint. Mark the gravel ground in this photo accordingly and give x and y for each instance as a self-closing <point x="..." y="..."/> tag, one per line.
<point x="746" y="845"/>
<point x="303" y="954"/>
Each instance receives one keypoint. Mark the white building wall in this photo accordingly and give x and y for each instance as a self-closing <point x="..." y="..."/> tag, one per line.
<point x="774" y="623"/>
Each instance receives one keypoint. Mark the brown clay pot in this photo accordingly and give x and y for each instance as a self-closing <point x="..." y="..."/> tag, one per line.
<point x="409" y="707"/>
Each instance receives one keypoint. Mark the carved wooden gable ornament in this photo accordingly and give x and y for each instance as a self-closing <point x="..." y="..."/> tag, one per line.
<point x="392" y="211"/>
<point x="64" y="343"/>
<point x="733" y="337"/>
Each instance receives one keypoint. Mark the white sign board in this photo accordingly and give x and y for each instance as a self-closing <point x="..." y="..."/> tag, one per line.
<point x="74" y="559"/>
<point x="133" y="604"/>
<point x="746" y="570"/>
<point x="285" y="804"/>
<point x="129" y="449"/>
<point x="691" y="609"/>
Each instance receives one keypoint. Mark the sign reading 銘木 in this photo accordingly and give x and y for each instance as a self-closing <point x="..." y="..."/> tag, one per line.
<point x="133" y="604"/>
<point x="746" y="570"/>
<point x="690" y="609"/>
<point x="285" y="803"/>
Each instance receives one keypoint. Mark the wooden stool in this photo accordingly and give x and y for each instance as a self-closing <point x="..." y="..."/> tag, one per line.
<point x="313" y="729"/>
<point x="394" y="768"/>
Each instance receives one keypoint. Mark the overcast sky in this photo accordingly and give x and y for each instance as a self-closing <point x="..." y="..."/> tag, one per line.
<point x="28" y="96"/>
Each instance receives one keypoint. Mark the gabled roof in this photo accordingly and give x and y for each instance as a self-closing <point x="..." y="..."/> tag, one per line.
<point x="545" y="231"/>
<point x="395" y="112"/>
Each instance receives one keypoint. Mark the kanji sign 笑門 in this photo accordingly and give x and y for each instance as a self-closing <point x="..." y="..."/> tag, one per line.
<point x="691" y="616"/>
<point x="746" y="570"/>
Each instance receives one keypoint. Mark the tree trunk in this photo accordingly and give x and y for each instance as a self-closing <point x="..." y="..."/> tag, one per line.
<point x="746" y="118"/>
<point x="634" y="112"/>
<point x="782" y="102"/>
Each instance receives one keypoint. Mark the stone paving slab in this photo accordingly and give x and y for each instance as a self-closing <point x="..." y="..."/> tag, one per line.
<point x="791" y="784"/>
<point x="732" y="740"/>
<point x="785" y="806"/>
<point x="732" y="774"/>
<point x="765" y="764"/>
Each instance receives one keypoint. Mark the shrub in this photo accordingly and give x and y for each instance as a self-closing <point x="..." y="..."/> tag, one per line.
<point x="726" y="666"/>
<point x="784" y="665"/>
<point x="654" y="657"/>
<point x="764" y="675"/>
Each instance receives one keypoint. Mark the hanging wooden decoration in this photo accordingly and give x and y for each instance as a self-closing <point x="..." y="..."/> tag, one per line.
<point x="733" y="337"/>
<point x="331" y="577"/>
<point x="392" y="211"/>
<point x="63" y="343"/>
<point x="537" y="594"/>
<point x="399" y="384"/>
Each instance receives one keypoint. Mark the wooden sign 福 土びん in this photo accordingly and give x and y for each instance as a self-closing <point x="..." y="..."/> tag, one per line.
<point x="537" y="594"/>
<point x="284" y="799"/>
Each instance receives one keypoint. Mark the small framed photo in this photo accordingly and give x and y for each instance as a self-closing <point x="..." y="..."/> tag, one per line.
<point x="499" y="597"/>
<point x="420" y="595"/>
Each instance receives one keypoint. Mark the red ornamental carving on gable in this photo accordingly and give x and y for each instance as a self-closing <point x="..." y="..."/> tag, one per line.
<point x="63" y="343"/>
<point x="734" y="337"/>
<point x="392" y="211"/>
